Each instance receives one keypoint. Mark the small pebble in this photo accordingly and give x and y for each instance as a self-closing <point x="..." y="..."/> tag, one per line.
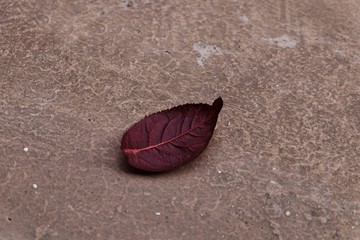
<point x="287" y="213"/>
<point x="100" y="12"/>
<point x="35" y="186"/>
<point x="308" y="216"/>
<point x="219" y="171"/>
<point x="158" y="214"/>
<point x="26" y="149"/>
<point x="323" y="220"/>
<point x="119" y="209"/>
<point x="244" y="19"/>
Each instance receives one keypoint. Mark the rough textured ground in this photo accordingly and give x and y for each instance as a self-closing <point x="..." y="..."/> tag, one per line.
<point x="284" y="160"/>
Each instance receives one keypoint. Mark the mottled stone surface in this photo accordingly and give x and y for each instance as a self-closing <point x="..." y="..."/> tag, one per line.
<point x="284" y="162"/>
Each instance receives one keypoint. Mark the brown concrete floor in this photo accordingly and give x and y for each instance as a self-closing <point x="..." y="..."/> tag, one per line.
<point x="283" y="162"/>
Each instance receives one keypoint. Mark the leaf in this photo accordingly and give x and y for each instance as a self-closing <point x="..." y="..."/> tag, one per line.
<point x="170" y="138"/>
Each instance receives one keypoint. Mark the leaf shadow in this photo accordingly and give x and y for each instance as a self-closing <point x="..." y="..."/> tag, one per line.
<point x="125" y="167"/>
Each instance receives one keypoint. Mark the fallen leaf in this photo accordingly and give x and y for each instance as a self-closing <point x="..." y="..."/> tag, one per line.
<point x="171" y="138"/>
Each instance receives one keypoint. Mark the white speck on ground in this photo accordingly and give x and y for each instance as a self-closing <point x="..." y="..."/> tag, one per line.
<point x="205" y="51"/>
<point x="323" y="220"/>
<point x="273" y="182"/>
<point x="287" y="213"/>
<point x="26" y="149"/>
<point x="244" y="18"/>
<point x="119" y="209"/>
<point x="219" y="172"/>
<point x="157" y="51"/>
<point x="100" y="12"/>
<point x="128" y="3"/>
<point x="283" y="41"/>
<point x="35" y="186"/>
<point x="158" y="214"/>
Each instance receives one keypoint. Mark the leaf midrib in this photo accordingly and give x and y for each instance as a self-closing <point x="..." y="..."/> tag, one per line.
<point x="135" y="151"/>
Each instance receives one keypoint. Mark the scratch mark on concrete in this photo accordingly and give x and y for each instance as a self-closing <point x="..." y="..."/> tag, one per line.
<point x="283" y="41"/>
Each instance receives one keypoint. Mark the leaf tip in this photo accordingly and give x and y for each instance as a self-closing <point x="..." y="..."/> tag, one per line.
<point x="218" y="103"/>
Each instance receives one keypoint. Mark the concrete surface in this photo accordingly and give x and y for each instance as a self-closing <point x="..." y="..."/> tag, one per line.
<point x="284" y="160"/>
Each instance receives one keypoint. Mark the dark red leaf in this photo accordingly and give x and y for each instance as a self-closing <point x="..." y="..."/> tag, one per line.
<point x="170" y="138"/>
